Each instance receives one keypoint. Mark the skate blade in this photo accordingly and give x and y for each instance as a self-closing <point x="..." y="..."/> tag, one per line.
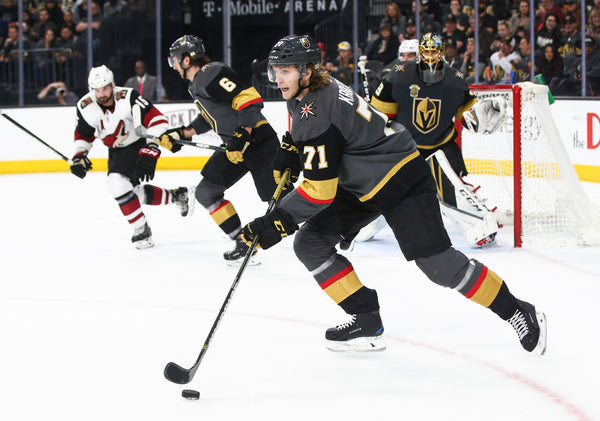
<point x="365" y="344"/>
<point x="144" y="244"/>
<point x="540" y="348"/>
<point x="237" y="263"/>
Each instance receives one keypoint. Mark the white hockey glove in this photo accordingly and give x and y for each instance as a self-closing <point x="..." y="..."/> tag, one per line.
<point x="486" y="116"/>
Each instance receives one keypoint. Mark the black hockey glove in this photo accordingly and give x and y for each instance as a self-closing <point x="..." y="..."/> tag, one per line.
<point x="146" y="162"/>
<point x="80" y="164"/>
<point x="271" y="228"/>
<point x="287" y="156"/>
<point x="168" y="139"/>
<point x="238" y="144"/>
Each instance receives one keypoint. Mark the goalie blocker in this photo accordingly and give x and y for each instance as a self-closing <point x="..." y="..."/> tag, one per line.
<point x="460" y="203"/>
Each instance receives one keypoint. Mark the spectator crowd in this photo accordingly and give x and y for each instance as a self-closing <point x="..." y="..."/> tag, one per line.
<point x="505" y="54"/>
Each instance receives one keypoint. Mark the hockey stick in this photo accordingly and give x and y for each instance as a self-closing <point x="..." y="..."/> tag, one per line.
<point x="174" y="372"/>
<point x="188" y="142"/>
<point x="34" y="136"/>
<point x="363" y="71"/>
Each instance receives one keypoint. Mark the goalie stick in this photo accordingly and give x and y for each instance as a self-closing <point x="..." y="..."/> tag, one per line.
<point x="190" y="143"/>
<point x="9" y="118"/>
<point x="180" y="375"/>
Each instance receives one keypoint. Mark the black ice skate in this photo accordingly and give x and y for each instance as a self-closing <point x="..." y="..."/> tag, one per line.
<point x="361" y="334"/>
<point x="184" y="198"/>
<point x="142" y="237"/>
<point x="530" y="326"/>
<point x="236" y="256"/>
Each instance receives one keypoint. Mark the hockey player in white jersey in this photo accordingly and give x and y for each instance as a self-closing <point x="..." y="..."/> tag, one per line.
<point x="119" y="116"/>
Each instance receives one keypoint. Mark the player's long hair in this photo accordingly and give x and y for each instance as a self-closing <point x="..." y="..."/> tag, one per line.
<point x="318" y="78"/>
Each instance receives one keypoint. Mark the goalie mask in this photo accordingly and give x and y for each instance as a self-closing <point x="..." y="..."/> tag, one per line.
<point x="294" y="50"/>
<point x="187" y="45"/>
<point x="431" y="58"/>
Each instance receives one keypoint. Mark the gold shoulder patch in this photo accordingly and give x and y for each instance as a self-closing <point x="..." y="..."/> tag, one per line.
<point x="84" y="103"/>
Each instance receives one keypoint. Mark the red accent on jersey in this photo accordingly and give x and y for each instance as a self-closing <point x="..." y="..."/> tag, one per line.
<point x="312" y="199"/>
<point x="246" y="104"/>
<point x="152" y="113"/>
<point x="337" y="276"/>
<point x="391" y="115"/>
<point x="79" y="136"/>
<point x="480" y="280"/>
<point x="225" y="203"/>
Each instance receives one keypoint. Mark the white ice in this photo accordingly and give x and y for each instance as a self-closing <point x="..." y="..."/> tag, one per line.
<point x="87" y="322"/>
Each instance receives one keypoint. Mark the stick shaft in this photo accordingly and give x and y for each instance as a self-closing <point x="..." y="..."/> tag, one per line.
<point x="9" y="118"/>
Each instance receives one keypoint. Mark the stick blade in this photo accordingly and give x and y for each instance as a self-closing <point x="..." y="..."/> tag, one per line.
<point x="177" y="374"/>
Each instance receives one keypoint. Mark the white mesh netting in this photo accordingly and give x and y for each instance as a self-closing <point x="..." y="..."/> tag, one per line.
<point x="555" y="209"/>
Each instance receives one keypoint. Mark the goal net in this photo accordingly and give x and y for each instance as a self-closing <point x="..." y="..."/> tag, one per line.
<point x="525" y="171"/>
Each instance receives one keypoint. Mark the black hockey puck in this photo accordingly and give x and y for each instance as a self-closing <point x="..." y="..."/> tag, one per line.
<point x="190" y="394"/>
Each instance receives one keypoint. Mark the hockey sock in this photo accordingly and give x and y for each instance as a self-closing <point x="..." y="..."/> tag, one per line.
<point x="505" y="304"/>
<point x="226" y="217"/>
<point x="337" y="278"/>
<point x="489" y="290"/>
<point x="156" y="196"/>
<point x="131" y="209"/>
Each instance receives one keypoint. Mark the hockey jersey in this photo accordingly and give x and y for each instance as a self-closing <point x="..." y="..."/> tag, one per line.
<point x="343" y="141"/>
<point x="224" y="101"/>
<point x="115" y="126"/>
<point x="426" y="110"/>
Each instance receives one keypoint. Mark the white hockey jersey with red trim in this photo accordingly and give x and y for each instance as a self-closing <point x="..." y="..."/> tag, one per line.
<point x="115" y="126"/>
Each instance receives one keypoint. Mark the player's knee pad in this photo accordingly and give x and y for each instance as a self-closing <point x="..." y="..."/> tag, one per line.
<point x="313" y="248"/>
<point x="207" y="193"/>
<point x="447" y="268"/>
<point x="118" y="185"/>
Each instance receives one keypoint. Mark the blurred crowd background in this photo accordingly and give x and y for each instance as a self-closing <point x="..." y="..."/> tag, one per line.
<point x="53" y="64"/>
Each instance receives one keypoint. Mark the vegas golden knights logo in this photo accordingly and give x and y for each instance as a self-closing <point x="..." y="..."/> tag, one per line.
<point x="426" y="114"/>
<point x="305" y="42"/>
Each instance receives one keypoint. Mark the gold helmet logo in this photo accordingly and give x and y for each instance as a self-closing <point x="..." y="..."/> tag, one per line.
<point x="426" y="114"/>
<point x="305" y="42"/>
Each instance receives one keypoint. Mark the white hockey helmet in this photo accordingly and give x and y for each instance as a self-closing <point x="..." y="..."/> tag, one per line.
<point x="409" y="46"/>
<point x="100" y="77"/>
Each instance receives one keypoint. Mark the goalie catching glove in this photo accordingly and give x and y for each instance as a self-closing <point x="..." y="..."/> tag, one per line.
<point x="486" y="116"/>
<point x="80" y="164"/>
<point x="238" y="144"/>
<point x="146" y="162"/>
<point x="168" y="139"/>
<point x="271" y="228"/>
<point x="287" y="156"/>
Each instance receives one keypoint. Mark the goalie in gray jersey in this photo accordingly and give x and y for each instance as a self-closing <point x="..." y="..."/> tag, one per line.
<point x="357" y="166"/>
<point x="232" y="108"/>
<point x="427" y="97"/>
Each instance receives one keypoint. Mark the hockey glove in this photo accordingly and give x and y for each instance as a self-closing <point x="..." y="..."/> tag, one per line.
<point x="168" y="139"/>
<point x="287" y="156"/>
<point x="486" y="116"/>
<point x="116" y="139"/>
<point x="146" y="162"/>
<point x="238" y="144"/>
<point x="80" y="164"/>
<point x="272" y="228"/>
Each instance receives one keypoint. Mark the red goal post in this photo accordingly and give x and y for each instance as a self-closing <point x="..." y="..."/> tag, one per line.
<point x="526" y="172"/>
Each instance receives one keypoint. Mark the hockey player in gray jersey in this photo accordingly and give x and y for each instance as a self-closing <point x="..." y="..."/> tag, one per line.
<point x="232" y="108"/>
<point x="356" y="166"/>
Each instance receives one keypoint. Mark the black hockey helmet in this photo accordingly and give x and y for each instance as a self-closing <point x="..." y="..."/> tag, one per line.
<point x="190" y="45"/>
<point x="432" y="49"/>
<point x="298" y="50"/>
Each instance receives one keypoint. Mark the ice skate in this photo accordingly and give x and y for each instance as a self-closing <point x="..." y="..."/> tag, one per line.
<point x="361" y="334"/>
<point x="530" y="326"/>
<point x="184" y="198"/>
<point x="142" y="237"/>
<point x="236" y="256"/>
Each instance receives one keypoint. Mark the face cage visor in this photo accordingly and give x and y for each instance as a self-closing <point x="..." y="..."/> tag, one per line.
<point x="171" y="61"/>
<point x="272" y="73"/>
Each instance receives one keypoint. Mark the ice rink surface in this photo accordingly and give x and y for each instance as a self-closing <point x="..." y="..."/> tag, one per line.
<point x="87" y="322"/>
